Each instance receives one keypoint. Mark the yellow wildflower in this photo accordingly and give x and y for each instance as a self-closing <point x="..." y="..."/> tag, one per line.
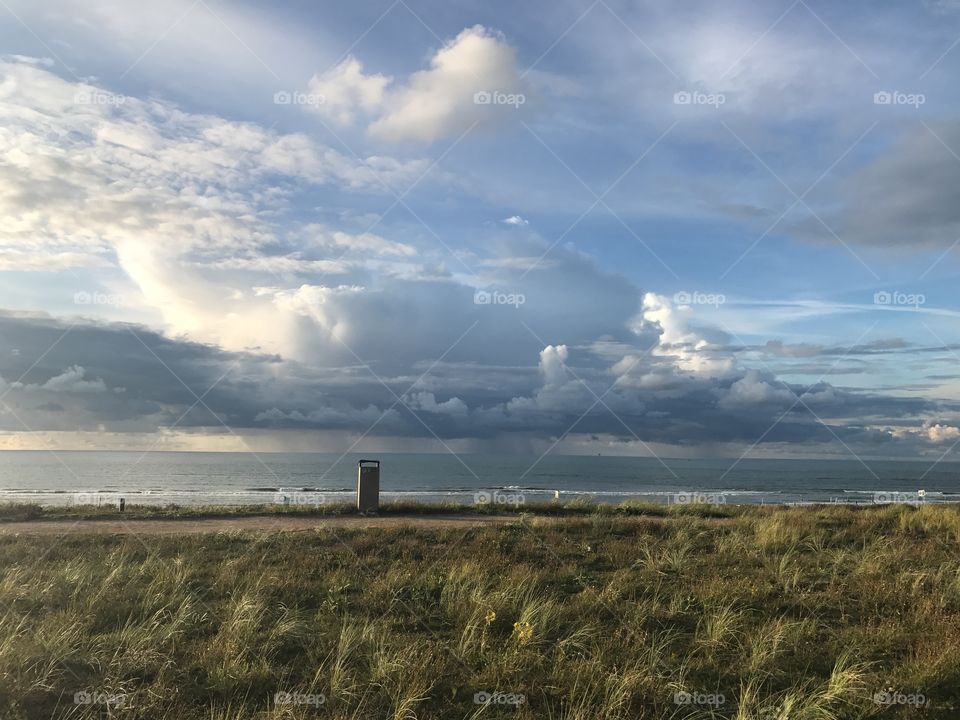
<point x="523" y="631"/>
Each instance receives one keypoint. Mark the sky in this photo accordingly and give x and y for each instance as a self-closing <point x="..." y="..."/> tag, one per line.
<point x="638" y="228"/>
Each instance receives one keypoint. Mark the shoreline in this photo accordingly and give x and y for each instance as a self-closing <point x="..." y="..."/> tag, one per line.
<point x="464" y="499"/>
<point x="256" y="523"/>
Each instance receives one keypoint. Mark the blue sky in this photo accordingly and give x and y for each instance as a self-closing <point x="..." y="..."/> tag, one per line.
<point x="711" y="228"/>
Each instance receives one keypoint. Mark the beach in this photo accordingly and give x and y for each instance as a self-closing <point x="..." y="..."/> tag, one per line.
<point x="263" y="523"/>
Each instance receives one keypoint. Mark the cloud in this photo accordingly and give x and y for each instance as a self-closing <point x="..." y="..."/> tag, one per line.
<point x="73" y="380"/>
<point x="213" y="55"/>
<point x="778" y="348"/>
<point x="943" y="7"/>
<point x="268" y="265"/>
<point x="938" y="433"/>
<point x="45" y="260"/>
<point x="753" y="389"/>
<point x="561" y="392"/>
<point x="155" y="383"/>
<point x="693" y="349"/>
<point x="905" y="198"/>
<point x="364" y="242"/>
<point x="347" y="91"/>
<point x="930" y="434"/>
<point x="176" y="205"/>
<point x="193" y="216"/>
<point x="331" y="418"/>
<point x="472" y="81"/>
<point x="427" y="402"/>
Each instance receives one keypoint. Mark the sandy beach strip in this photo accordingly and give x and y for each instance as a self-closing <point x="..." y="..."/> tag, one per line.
<point x="257" y="523"/>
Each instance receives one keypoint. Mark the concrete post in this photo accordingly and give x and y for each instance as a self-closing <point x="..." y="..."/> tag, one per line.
<point x="368" y="485"/>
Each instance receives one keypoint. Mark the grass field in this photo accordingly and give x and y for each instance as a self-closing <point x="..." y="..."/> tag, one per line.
<point x="745" y="613"/>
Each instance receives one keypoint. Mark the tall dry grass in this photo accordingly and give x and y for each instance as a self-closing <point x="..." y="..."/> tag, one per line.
<point x="788" y="614"/>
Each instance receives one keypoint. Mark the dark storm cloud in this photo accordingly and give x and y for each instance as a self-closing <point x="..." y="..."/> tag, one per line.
<point x="63" y="376"/>
<point x="147" y="380"/>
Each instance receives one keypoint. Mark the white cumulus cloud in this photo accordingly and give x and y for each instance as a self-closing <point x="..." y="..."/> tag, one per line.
<point x="472" y="81"/>
<point x="346" y="90"/>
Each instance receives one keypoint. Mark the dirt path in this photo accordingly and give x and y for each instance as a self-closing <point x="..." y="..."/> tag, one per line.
<point x="266" y="523"/>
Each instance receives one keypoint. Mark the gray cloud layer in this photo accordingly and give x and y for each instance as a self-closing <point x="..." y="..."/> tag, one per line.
<point x="119" y="377"/>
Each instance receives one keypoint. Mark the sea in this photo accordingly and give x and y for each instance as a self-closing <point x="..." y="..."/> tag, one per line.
<point x="192" y="478"/>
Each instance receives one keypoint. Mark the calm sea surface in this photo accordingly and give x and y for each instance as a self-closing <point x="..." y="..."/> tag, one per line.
<point x="241" y="478"/>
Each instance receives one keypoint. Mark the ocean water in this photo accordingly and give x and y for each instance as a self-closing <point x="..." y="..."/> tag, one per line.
<point x="161" y="478"/>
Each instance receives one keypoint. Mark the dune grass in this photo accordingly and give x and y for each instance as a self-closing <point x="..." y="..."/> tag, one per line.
<point x="772" y="614"/>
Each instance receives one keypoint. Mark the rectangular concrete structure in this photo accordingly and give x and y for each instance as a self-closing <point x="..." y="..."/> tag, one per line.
<point x="368" y="485"/>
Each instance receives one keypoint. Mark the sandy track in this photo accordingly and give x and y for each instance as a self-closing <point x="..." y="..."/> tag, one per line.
<point x="266" y="523"/>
